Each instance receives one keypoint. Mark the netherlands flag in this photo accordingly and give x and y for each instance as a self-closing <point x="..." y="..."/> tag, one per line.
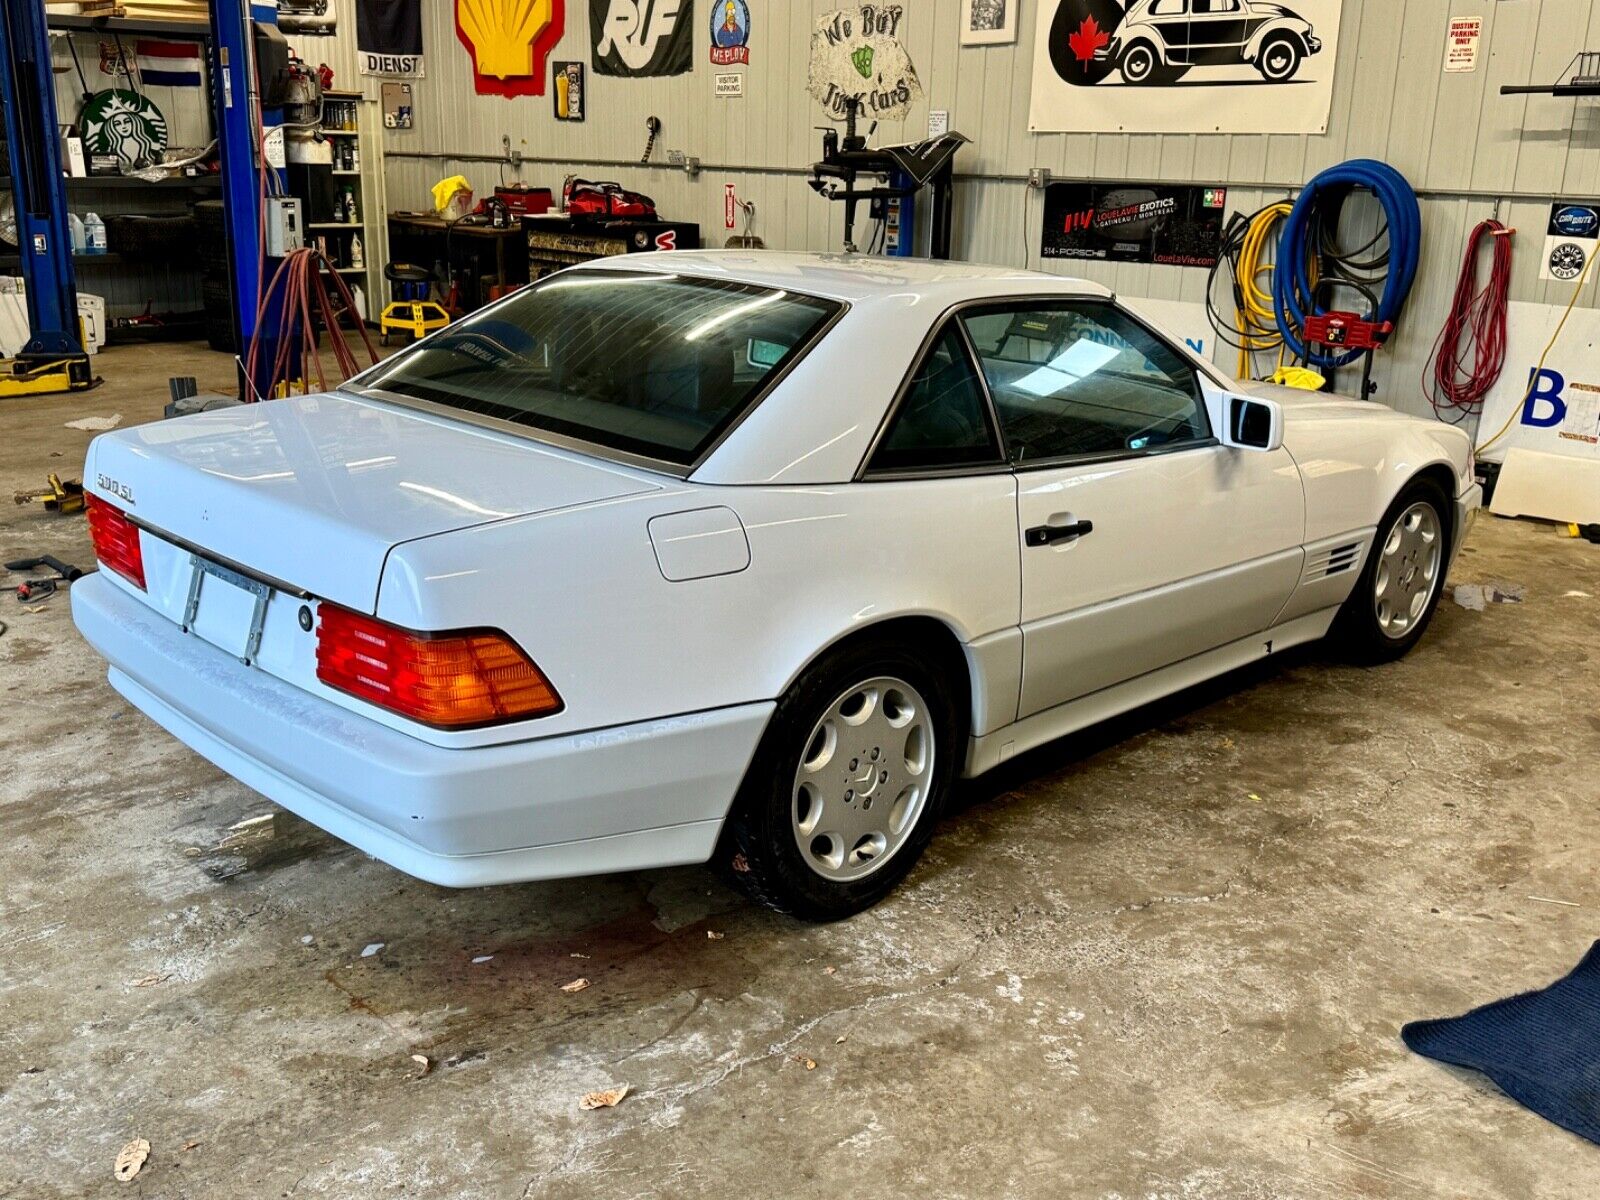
<point x="170" y="64"/>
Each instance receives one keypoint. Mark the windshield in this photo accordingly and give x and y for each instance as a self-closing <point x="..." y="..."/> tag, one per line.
<point x="651" y="364"/>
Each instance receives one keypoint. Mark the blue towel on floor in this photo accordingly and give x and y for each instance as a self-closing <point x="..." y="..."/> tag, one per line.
<point x="1542" y="1048"/>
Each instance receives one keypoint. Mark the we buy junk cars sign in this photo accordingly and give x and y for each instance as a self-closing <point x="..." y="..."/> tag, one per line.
<point x="1183" y="66"/>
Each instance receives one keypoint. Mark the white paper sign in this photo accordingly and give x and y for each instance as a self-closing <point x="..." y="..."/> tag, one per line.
<point x="272" y="147"/>
<point x="729" y="85"/>
<point x="1461" y="44"/>
<point x="1102" y="66"/>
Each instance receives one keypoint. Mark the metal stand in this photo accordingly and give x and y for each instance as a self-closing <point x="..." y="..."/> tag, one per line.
<point x="906" y="169"/>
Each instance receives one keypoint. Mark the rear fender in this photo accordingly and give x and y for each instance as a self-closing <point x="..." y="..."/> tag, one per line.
<point x="1252" y="48"/>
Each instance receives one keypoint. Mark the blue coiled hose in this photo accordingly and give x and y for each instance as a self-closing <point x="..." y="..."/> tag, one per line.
<point x="1292" y="292"/>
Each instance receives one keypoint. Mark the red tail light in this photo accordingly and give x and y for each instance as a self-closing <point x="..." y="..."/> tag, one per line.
<point x="450" y="680"/>
<point x="116" y="540"/>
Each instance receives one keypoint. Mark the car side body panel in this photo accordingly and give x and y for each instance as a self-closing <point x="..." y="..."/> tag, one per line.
<point x="824" y="562"/>
<point x="1221" y="39"/>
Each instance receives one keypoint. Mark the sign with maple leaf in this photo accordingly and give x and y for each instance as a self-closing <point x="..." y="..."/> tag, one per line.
<point x="1086" y="39"/>
<point x="1183" y="66"/>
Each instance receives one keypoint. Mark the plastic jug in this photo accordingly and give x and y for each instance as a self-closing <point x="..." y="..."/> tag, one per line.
<point x="358" y="256"/>
<point x="94" y="234"/>
<point x="79" y="238"/>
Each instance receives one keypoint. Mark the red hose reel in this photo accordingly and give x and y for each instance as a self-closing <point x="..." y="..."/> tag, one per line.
<point x="1347" y="330"/>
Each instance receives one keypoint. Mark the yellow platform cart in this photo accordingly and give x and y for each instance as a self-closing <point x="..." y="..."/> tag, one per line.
<point x="409" y="310"/>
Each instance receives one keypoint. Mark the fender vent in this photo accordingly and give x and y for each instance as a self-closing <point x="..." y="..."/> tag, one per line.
<point x="1332" y="561"/>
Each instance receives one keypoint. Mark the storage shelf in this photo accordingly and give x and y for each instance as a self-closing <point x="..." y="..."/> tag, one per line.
<point x="189" y="30"/>
<point x="339" y="132"/>
<point x="80" y="259"/>
<point x="334" y="225"/>
<point x="96" y="182"/>
<point x="350" y="174"/>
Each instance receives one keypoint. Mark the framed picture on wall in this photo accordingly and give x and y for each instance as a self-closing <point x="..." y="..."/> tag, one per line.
<point x="567" y="92"/>
<point x="989" y="22"/>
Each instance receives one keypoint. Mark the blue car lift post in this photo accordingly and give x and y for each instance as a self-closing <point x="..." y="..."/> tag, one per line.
<point x="236" y="105"/>
<point x="53" y="360"/>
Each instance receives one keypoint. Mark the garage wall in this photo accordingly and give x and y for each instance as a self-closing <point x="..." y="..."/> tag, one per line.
<point x="1468" y="150"/>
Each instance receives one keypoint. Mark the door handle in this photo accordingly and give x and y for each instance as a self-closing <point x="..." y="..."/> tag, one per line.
<point x="1048" y="535"/>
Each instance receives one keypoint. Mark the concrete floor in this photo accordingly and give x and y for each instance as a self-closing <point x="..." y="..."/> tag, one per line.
<point x="1166" y="959"/>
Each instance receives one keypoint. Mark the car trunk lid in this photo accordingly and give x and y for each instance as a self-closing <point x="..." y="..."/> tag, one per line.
<point x="313" y="491"/>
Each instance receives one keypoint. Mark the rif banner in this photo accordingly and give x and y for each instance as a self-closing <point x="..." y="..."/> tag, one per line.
<point x="389" y="37"/>
<point x="1173" y="225"/>
<point x="641" y="38"/>
<point x="1183" y="66"/>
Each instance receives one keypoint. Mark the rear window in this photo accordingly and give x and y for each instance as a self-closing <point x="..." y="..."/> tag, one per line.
<point x="650" y="364"/>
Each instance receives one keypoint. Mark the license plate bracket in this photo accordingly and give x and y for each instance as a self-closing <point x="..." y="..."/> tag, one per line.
<point x="262" y="592"/>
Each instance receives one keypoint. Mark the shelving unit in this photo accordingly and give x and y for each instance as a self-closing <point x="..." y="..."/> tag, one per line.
<point x="322" y="185"/>
<point x="129" y="283"/>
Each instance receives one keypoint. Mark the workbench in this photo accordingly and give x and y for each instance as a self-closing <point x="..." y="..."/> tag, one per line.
<point x="426" y="240"/>
<point x="555" y="240"/>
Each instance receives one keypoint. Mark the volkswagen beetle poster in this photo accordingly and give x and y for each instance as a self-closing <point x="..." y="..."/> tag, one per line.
<point x="1183" y="66"/>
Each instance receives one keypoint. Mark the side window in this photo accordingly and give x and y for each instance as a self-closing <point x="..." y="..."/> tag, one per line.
<point x="1084" y="378"/>
<point x="1168" y="8"/>
<point x="942" y="420"/>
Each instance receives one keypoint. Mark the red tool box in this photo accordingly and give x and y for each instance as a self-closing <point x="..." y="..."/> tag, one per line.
<point x="525" y="201"/>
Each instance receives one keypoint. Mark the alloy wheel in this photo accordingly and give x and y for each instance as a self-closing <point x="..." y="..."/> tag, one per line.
<point x="863" y="779"/>
<point x="1410" y="564"/>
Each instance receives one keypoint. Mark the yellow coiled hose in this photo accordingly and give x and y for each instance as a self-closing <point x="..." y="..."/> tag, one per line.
<point x="1257" y="316"/>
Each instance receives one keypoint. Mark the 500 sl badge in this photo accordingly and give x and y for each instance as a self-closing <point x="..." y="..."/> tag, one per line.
<point x="117" y="488"/>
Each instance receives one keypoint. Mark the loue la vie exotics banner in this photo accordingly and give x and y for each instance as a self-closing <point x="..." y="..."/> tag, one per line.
<point x="1183" y="66"/>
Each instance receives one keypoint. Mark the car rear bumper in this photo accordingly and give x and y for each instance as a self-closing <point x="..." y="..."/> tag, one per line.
<point x="647" y="795"/>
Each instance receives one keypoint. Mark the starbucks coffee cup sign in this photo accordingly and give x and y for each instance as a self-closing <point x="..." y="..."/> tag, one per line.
<point x="856" y="55"/>
<point x="125" y="124"/>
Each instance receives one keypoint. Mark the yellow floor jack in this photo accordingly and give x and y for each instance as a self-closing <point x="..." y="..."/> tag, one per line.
<point x="410" y="311"/>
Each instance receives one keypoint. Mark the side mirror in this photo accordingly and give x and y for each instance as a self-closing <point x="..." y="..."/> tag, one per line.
<point x="1251" y="423"/>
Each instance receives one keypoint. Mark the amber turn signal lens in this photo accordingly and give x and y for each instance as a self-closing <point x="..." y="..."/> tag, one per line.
<point x="116" y="540"/>
<point x="450" y="680"/>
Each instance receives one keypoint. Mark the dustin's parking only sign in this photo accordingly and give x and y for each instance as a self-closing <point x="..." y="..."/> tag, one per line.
<point x="1461" y="46"/>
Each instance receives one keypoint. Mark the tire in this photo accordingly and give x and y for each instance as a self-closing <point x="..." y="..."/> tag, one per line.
<point x="1279" y="58"/>
<point x="217" y="297"/>
<point x="823" y="828"/>
<point x="210" y="250"/>
<point x="1398" y="592"/>
<point x="1140" y="64"/>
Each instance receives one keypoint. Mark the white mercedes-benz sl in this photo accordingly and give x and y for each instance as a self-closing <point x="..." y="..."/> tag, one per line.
<point x="738" y="556"/>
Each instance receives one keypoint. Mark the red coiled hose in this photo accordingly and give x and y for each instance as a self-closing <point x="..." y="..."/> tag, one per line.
<point x="1470" y="351"/>
<point x="307" y="309"/>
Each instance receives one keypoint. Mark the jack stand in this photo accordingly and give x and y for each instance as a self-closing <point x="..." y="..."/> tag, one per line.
<point x="45" y="374"/>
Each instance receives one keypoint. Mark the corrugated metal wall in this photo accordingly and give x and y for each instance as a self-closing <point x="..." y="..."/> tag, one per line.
<point x="1464" y="146"/>
<point x="1468" y="150"/>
